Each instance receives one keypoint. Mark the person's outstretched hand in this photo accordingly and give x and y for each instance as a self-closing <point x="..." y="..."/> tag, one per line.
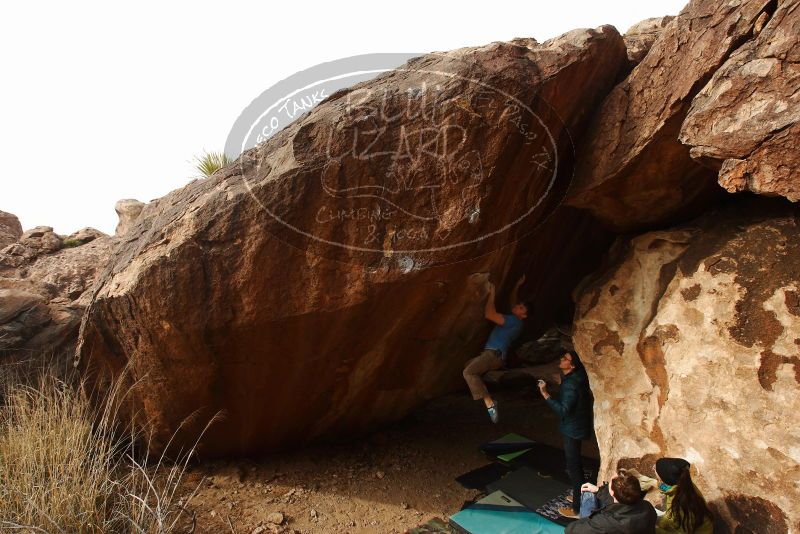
<point x="589" y="487"/>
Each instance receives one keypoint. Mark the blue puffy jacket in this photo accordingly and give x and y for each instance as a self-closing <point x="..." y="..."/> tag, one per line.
<point x="574" y="405"/>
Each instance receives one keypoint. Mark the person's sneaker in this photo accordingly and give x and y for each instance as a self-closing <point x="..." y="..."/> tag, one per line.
<point x="493" y="415"/>
<point x="568" y="512"/>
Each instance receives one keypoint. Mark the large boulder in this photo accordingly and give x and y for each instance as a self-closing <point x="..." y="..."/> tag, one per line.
<point x="333" y="278"/>
<point x="10" y="229"/>
<point x="745" y="123"/>
<point x="640" y="37"/>
<point x="691" y="338"/>
<point x="45" y="283"/>
<point x="632" y="172"/>
<point x="43" y="299"/>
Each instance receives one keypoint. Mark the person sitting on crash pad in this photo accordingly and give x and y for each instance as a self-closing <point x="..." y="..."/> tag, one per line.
<point x="507" y="329"/>
<point x="623" y="509"/>
<point x="574" y="409"/>
<point x="594" y="498"/>
<point x="686" y="509"/>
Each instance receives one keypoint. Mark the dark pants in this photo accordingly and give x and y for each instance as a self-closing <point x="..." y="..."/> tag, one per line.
<point x="572" y="455"/>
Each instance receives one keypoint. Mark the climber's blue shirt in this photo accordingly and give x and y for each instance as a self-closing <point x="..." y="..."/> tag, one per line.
<point x="503" y="335"/>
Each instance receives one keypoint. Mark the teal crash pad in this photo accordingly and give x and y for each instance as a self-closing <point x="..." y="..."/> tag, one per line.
<point x="498" y="513"/>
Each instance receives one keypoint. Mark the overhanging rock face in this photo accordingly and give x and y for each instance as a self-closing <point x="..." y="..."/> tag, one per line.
<point x="691" y="338"/>
<point x="332" y="278"/>
<point x="745" y="123"/>
<point x="632" y="171"/>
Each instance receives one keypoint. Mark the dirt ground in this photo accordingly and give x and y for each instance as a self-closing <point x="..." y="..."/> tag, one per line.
<point x="393" y="480"/>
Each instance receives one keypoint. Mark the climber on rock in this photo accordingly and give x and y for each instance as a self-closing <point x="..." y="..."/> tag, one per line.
<point x="507" y="329"/>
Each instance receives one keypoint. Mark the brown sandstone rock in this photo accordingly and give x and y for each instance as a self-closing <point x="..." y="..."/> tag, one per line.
<point x="691" y="338"/>
<point x="632" y="171"/>
<point x="640" y="37"/>
<point x="333" y="278"/>
<point x="40" y="240"/>
<point x="82" y="236"/>
<point x="745" y="123"/>
<point x="42" y="301"/>
<point x="10" y="229"/>
<point x="45" y="282"/>
<point x="128" y="210"/>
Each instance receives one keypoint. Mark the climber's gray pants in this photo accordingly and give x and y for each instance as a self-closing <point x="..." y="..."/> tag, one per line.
<point x="486" y="361"/>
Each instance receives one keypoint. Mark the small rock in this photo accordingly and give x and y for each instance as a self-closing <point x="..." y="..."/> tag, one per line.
<point x="83" y="236"/>
<point x="276" y="518"/>
<point x="405" y="505"/>
<point x="380" y="474"/>
<point x="314" y="514"/>
<point x="260" y="529"/>
<point x="128" y="211"/>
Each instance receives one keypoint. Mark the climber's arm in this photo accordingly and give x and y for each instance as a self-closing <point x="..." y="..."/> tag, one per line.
<point x="490" y="312"/>
<point x="513" y="300"/>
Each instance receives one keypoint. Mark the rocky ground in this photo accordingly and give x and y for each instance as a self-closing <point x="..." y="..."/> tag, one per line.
<point x="391" y="481"/>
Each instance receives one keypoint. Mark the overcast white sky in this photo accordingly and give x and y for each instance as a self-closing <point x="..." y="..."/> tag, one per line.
<point x="104" y="100"/>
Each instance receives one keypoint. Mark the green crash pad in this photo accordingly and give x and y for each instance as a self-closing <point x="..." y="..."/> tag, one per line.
<point x="508" y="447"/>
<point x="498" y="513"/>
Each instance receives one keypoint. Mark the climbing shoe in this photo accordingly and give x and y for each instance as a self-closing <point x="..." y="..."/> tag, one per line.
<point x="568" y="513"/>
<point x="493" y="415"/>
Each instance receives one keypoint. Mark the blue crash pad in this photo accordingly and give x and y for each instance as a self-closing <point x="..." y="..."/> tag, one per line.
<point x="498" y="513"/>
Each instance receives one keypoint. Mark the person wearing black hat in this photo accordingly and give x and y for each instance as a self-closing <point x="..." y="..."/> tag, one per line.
<point x="686" y="510"/>
<point x="574" y="408"/>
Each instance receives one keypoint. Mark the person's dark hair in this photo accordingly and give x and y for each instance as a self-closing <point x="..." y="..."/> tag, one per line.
<point x="528" y="305"/>
<point x="627" y="489"/>
<point x="688" y="507"/>
<point x="576" y="361"/>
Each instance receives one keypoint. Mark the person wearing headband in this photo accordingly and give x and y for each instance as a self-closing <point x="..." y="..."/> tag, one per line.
<point x="686" y="509"/>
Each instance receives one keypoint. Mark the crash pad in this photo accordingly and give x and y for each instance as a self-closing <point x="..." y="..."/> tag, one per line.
<point x="483" y="476"/>
<point x="549" y="461"/>
<point x="498" y="513"/>
<point x="508" y="447"/>
<point x="528" y="487"/>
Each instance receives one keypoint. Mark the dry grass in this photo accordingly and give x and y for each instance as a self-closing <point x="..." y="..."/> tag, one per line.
<point x="65" y="466"/>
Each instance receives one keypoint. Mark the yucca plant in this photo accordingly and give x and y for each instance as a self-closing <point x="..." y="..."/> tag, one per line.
<point x="210" y="162"/>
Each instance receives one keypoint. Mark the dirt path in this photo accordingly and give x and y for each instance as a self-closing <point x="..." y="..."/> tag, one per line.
<point x="393" y="480"/>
